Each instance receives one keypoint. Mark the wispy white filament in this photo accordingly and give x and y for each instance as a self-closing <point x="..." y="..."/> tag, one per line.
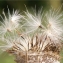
<point x="20" y="43"/>
<point x="7" y="44"/>
<point x="16" y="17"/>
<point x="54" y="28"/>
<point x="33" y="21"/>
<point x="11" y="22"/>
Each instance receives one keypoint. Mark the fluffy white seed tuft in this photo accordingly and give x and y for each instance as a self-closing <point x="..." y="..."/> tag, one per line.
<point x="11" y="22"/>
<point x="33" y="21"/>
<point x="54" y="26"/>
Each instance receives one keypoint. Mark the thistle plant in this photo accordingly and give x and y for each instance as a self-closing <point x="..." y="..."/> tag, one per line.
<point x="33" y="37"/>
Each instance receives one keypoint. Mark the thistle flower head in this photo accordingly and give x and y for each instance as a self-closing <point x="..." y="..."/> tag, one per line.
<point x="11" y="22"/>
<point x="39" y="47"/>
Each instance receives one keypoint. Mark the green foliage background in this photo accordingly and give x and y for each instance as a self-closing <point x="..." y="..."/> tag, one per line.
<point x="20" y="5"/>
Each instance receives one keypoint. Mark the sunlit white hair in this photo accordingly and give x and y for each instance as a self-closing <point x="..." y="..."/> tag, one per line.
<point x="15" y="42"/>
<point x="48" y="27"/>
<point x="53" y="25"/>
<point x="33" y="21"/>
<point x="11" y="22"/>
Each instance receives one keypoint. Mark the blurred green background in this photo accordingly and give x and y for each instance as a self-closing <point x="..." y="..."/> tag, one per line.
<point x="20" y="5"/>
